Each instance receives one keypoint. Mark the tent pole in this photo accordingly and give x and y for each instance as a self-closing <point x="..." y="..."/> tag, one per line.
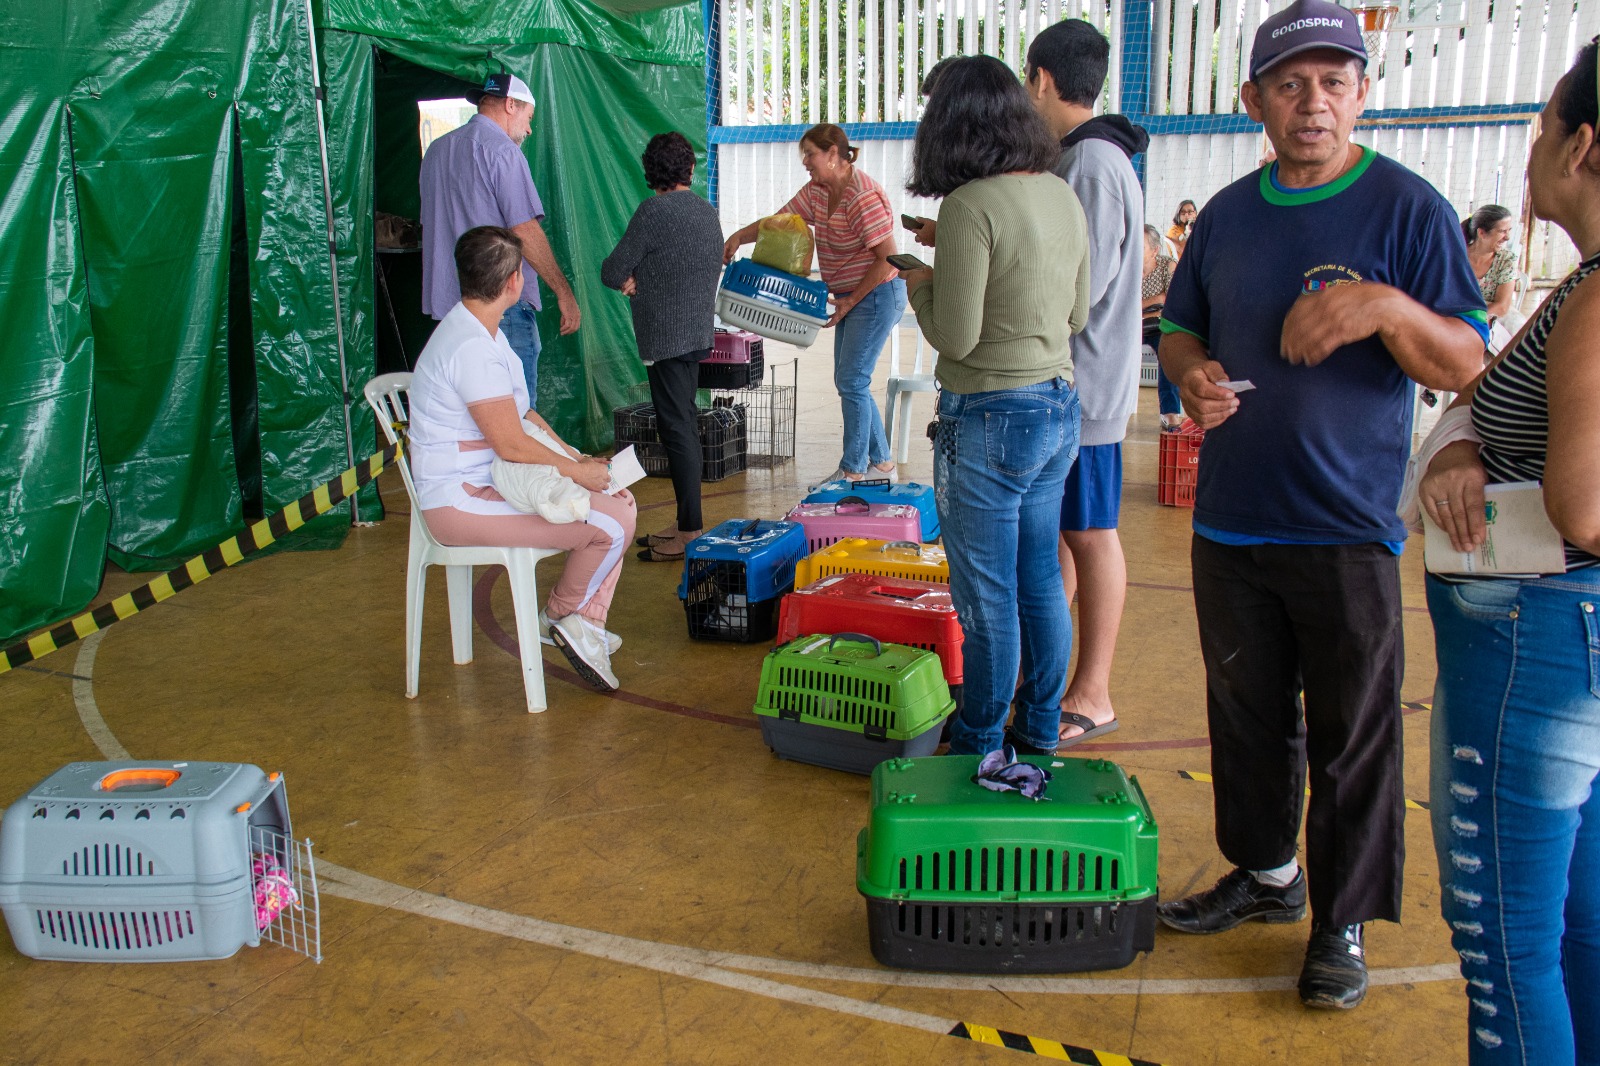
<point x="319" y="94"/>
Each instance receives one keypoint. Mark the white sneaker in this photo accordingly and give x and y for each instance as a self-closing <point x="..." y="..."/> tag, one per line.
<point x="839" y="474"/>
<point x="613" y="642"/>
<point x="584" y="645"/>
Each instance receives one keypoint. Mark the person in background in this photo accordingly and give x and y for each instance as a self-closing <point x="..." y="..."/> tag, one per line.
<point x="1182" y="226"/>
<point x="1066" y="74"/>
<point x="469" y="401"/>
<point x="853" y="226"/>
<point x="1153" y="286"/>
<point x="1010" y="284"/>
<point x="668" y="264"/>
<point x="1516" y="706"/>
<point x="477" y="176"/>
<point x="1494" y="261"/>
<point x="930" y="79"/>
<point x="1330" y="281"/>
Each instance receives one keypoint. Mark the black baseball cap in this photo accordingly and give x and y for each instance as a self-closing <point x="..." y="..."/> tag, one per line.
<point x="503" y="84"/>
<point x="1301" y="27"/>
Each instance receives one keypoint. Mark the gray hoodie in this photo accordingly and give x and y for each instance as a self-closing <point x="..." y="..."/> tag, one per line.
<point x="1096" y="162"/>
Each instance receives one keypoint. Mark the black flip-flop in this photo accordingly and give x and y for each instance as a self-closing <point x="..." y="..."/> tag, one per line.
<point x="650" y="555"/>
<point x="1085" y="723"/>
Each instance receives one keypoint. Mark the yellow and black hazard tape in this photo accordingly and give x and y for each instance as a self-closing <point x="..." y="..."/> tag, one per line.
<point x="1050" y="1049"/>
<point x="319" y="500"/>
<point x="1196" y="775"/>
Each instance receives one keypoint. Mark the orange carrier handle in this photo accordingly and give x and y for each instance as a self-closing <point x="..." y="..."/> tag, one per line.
<point x="139" y="777"/>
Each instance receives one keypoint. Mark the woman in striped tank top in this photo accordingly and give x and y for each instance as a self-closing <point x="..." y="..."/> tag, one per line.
<point x="1516" y="727"/>
<point x="853" y="224"/>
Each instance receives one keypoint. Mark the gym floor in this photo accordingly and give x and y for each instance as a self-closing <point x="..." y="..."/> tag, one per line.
<point x="633" y="877"/>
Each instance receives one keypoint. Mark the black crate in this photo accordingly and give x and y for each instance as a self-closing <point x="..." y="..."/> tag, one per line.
<point x="722" y="430"/>
<point x="715" y="375"/>
<point x="718" y="608"/>
<point x="1010" y="937"/>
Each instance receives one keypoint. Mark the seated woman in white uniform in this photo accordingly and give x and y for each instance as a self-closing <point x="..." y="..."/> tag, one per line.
<point x="469" y="399"/>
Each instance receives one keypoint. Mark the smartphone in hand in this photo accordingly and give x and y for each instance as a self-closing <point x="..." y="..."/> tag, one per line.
<point x="911" y="222"/>
<point x="906" y="261"/>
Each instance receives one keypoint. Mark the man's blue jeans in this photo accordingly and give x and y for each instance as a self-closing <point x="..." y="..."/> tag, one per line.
<point x="522" y="333"/>
<point x="1516" y="821"/>
<point x="1169" y="401"/>
<point x="999" y="466"/>
<point x="858" y="341"/>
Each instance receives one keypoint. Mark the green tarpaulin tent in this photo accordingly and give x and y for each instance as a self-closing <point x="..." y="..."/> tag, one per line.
<point x="163" y="188"/>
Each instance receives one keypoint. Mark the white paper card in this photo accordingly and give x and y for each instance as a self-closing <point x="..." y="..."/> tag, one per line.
<point x="625" y="470"/>
<point x="1521" y="539"/>
<point x="1237" y="386"/>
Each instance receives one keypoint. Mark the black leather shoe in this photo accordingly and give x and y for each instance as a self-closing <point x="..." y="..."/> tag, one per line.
<point x="1236" y="898"/>
<point x="1334" y="976"/>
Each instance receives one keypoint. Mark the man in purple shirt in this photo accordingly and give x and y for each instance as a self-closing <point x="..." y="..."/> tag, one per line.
<point x="478" y="176"/>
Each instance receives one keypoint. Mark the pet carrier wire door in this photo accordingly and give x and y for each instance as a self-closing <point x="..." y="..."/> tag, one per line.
<point x="128" y="861"/>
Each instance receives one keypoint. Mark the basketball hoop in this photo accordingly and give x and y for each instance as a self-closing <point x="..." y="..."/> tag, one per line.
<point x="1376" y="21"/>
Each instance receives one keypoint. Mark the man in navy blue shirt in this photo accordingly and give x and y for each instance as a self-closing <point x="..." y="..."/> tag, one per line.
<point x="1328" y="281"/>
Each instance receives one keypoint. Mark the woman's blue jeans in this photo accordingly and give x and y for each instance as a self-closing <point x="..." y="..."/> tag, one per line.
<point x="858" y="341"/>
<point x="999" y="467"/>
<point x="1516" y="822"/>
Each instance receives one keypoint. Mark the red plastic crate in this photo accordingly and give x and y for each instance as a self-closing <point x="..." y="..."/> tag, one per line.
<point x="894" y="610"/>
<point x="1179" y="465"/>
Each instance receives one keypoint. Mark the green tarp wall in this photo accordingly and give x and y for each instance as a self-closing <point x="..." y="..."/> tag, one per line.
<point x="156" y="157"/>
<point x="159" y="164"/>
<point x="606" y="80"/>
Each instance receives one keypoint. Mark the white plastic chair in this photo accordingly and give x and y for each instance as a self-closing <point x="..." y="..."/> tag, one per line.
<point x="386" y="395"/>
<point x="897" y="404"/>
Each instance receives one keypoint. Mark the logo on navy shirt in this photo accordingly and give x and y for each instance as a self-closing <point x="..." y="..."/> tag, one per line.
<point x="1327" y="275"/>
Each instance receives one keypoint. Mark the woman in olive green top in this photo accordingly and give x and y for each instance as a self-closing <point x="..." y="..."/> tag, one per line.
<point x="1010" y="284"/>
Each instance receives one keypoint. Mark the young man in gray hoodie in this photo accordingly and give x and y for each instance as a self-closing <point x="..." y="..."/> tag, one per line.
<point x="1067" y="65"/>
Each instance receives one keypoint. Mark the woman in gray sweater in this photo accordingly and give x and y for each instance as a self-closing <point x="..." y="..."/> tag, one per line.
<point x="668" y="264"/>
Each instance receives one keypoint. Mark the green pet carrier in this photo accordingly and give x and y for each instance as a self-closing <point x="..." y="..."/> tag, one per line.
<point x="960" y="878"/>
<point x="849" y="701"/>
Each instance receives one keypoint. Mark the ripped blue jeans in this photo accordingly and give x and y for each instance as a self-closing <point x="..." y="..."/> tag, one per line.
<point x="1516" y="820"/>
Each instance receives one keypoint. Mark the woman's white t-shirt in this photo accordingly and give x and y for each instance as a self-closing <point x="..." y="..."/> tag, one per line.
<point x="461" y="364"/>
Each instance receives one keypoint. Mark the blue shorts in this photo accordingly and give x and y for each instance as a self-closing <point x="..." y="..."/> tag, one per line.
<point x="1093" y="498"/>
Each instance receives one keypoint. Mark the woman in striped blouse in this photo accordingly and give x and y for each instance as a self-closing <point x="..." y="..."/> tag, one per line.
<point x="853" y="224"/>
<point x="1516" y="728"/>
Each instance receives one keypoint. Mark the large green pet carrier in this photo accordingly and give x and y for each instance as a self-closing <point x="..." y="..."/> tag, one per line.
<point x="960" y="878"/>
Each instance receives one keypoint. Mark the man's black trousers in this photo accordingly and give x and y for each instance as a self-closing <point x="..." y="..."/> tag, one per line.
<point x="1276" y="620"/>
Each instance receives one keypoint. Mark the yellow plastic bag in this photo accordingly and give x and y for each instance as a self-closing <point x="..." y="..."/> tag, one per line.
<point x="783" y="242"/>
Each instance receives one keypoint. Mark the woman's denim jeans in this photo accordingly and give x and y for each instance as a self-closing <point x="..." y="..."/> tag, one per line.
<point x="1516" y="822"/>
<point x="999" y="467"/>
<point x="857" y="343"/>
